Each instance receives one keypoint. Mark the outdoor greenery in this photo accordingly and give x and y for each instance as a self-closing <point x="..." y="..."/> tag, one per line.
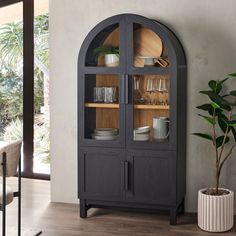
<point x="11" y="82"/>
<point x="222" y="119"/>
<point x="10" y="98"/>
<point x="13" y="131"/>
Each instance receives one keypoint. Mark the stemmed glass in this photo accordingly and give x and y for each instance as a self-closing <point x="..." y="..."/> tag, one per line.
<point x="162" y="88"/>
<point x="150" y="89"/>
<point x="137" y="92"/>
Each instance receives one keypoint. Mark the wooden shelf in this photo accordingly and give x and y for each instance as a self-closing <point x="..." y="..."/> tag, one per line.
<point x="102" y="105"/>
<point x="149" y="70"/>
<point x="152" y="107"/>
<point x="101" y="70"/>
<point x="137" y="106"/>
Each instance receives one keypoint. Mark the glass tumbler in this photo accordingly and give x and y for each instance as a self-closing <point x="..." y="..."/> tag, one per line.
<point x="110" y="94"/>
<point x="98" y="94"/>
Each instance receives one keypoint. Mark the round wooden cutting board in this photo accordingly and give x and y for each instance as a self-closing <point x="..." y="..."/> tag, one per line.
<point x="146" y="44"/>
<point x="113" y="38"/>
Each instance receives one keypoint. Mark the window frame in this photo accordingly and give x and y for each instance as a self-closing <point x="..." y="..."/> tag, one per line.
<point x="28" y="87"/>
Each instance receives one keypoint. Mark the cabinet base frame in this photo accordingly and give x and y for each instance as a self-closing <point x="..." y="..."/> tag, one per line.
<point x="85" y="205"/>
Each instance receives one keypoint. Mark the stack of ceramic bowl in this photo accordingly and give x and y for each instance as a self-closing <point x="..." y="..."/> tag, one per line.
<point x="142" y="133"/>
<point x="105" y="134"/>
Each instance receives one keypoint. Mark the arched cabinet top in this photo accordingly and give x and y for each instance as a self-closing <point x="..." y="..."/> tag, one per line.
<point x="127" y="24"/>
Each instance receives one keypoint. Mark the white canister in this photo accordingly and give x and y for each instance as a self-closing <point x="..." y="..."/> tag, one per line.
<point x="160" y="128"/>
<point x="149" y="61"/>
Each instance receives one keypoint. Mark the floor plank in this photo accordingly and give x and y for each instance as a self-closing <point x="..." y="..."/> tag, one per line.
<point x="56" y="219"/>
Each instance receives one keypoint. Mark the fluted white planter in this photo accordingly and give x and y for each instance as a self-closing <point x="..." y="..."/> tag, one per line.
<point x="215" y="213"/>
<point x="112" y="60"/>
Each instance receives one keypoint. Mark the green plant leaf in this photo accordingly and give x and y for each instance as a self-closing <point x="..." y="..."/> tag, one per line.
<point x="231" y="123"/>
<point x="215" y="105"/>
<point x="223" y="116"/>
<point x="232" y="74"/>
<point x="222" y="122"/>
<point x="205" y="107"/>
<point x="224" y="104"/>
<point x="233" y="93"/>
<point x="226" y="95"/>
<point x="215" y="86"/>
<point x="222" y="81"/>
<point x="218" y="88"/>
<point x="234" y="132"/>
<point x="212" y="84"/>
<point x="205" y="136"/>
<point x="209" y="119"/>
<point x="219" y="141"/>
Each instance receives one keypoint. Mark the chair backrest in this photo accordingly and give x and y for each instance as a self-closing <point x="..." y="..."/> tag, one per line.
<point x="13" y="152"/>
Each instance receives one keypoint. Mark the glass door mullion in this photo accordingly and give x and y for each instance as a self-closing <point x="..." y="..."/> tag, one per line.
<point x="129" y="44"/>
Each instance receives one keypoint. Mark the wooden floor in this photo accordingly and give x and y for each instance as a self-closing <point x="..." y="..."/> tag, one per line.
<point x="63" y="219"/>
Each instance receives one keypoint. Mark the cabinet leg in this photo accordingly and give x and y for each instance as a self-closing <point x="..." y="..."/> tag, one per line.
<point x="83" y="208"/>
<point x="173" y="216"/>
<point x="182" y="207"/>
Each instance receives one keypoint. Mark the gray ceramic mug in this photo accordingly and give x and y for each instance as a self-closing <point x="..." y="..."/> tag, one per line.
<point x="161" y="128"/>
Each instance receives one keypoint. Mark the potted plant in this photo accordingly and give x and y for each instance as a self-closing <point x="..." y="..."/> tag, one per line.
<point x="215" y="205"/>
<point x="110" y="53"/>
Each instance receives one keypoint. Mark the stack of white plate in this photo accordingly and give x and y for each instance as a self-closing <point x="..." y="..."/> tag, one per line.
<point x="106" y="134"/>
<point x="142" y="133"/>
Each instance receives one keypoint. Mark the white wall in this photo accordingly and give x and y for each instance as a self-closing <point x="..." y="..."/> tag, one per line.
<point x="207" y="32"/>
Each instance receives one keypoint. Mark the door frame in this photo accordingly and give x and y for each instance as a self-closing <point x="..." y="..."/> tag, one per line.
<point x="28" y="87"/>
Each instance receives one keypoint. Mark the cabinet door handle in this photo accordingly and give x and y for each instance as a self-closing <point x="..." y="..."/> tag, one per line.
<point x="126" y="175"/>
<point x="123" y="88"/>
<point x="126" y="89"/>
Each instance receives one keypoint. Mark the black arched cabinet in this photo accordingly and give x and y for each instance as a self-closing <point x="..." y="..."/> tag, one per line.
<point x="132" y="117"/>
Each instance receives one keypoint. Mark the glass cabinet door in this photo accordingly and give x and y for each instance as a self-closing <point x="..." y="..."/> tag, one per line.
<point x="102" y="109"/>
<point x="149" y="68"/>
<point x="101" y="112"/>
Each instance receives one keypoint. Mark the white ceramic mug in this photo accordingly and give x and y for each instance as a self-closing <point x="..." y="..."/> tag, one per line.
<point x="160" y="128"/>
